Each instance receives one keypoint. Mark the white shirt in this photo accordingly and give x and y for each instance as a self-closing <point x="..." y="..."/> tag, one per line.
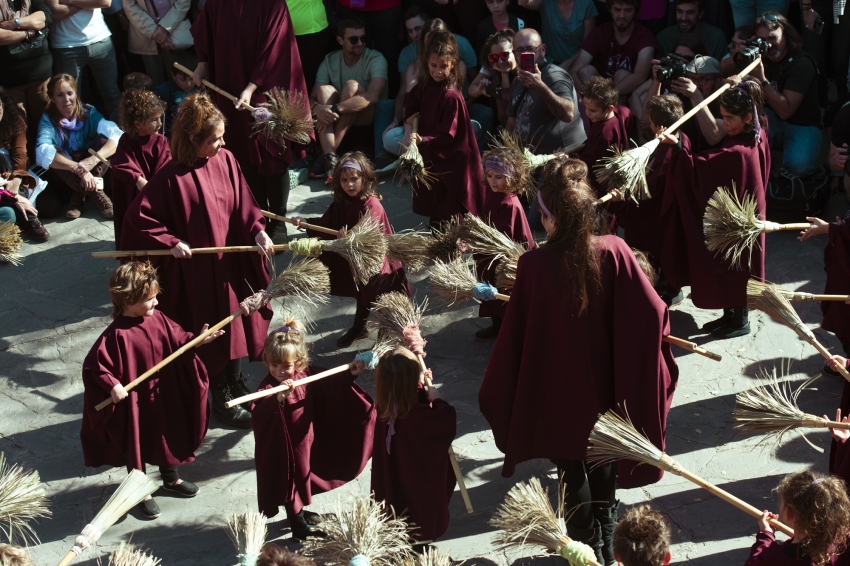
<point x="81" y="29"/>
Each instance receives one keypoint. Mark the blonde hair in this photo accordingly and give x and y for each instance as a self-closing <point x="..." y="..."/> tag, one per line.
<point x="132" y="283"/>
<point x="14" y="556"/>
<point x="397" y="383"/>
<point x="287" y="343"/>
<point x="642" y="537"/>
<point x="53" y="112"/>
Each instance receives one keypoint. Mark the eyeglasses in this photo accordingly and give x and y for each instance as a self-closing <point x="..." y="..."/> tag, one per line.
<point x="527" y="49"/>
<point x="504" y="56"/>
<point x="355" y="39"/>
<point x="703" y="80"/>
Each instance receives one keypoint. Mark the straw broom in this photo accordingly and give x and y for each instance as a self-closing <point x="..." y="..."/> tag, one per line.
<point x="732" y="226"/>
<point x="775" y="305"/>
<point x="445" y="242"/>
<point x="429" y="557"/>
<point x="409" y="247"/>
<point x="526" y="518"/>
<point x="365" y="531"/>
<point x="615" y="438"/>
<point x="130" y="493"/>
<point x="512" y="141"/>
<point x="248" y="532"/>
<point x="11" y="243"/>
<point x="794" y="296"/>
<point x="22" y="499"/>
<point x="482" y="238"/>
<point x="307" y="280"/>
<point x="453" y="282"/>
<point x="302" y="224"/>
<point x="127" y="555"/>
<point x="410" y="167"/>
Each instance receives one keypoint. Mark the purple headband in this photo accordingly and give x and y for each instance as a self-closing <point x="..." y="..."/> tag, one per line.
<point x="286" y="328"/>
<point x="498" y="166"/>
<point x="817" y="481"/>
<point x="543" y="206"/>
<point x="756" y="121"/>
<point x="351" y="164"/>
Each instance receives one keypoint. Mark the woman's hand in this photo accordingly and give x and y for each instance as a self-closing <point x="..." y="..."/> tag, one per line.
<point x="181" y="250"/>
<point x="359" y="367"/>
<point x="286" y="393"/>
<point x="118" y="393"/>
<point x="159" y="35"/>
<point x="200" y="74"/>
<point x="296" y="221"/>
<point x="325" y="115"/>
<point x="764" y="521"/>
<point x="89" y="183"/>
<point x="88" y="163"/>
<point x="733" y="80"/>
<point x="840" y="435"/>
<point x="212" y="336"/>
<point x="393" y="124"/>
<point x="265" y="243"/>
<point x="25" y="207"/>
<point x="817" y="228"/>
<point x="244" y="98"/>
<point x="684" y="85"/>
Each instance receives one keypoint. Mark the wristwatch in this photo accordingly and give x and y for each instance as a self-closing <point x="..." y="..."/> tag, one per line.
<point x="765" y="83"/>
<point x="17" y="23"/>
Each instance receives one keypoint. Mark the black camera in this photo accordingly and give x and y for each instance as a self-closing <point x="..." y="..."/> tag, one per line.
<point x="672" y="67"/>
<point x="493" y="91"/>
<point x="752" y="50"/>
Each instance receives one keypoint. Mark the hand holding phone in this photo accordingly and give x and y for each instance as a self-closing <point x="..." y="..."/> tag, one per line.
<point x="527" y="61"/>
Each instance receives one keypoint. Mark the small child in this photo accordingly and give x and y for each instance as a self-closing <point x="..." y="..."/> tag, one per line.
<point x="410" y="459"/>
<point x="503" y="210"/>
<point x="445" y="137"/>
<point x="498" y="20"/>
<point x="308" y="439"/>
<point x="136" y="80"/>
<point x="642" y="538"/>
<point x="355" y="194"/>
<point x="173" y="92"/>
<point x="818" y="510"/>
<point x="141" y="152"/>
<point x="163" y="420"/>
<point x="610" y="124"/>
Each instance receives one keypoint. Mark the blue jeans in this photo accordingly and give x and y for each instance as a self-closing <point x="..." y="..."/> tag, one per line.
<point x="100" y="58"/>
<point x="745" y="12"/>
<point x="7" y="214"/>
<point x="389" y="143"/>
<point x="383" y="117"/>
<point x="800" y="145"/>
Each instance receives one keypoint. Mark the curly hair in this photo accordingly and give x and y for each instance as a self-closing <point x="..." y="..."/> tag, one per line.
<point x="52" y="111"/>
<point x="442" y="44"/>
<point x="823" y="512"/>
<point x="138" y="105"/>
<point x="664" y="109"/>
<point x="645" y="265"/>
<point x="197" y="118"/>
<point x="275" y="555"/>
<point x="369" y="181"/>
<point x="739" y="103"/>
<point x="504" y="36"/>
<point x="517" y="183"/>
<point x="12" y="124"/>
<point x="14" y="556"/>
<point x="397" y="383"/>
<point x="642" y="537"/>
<point x="132" y="283"/>
<point x="288" y="343"/>
<point x="602" y="90"/>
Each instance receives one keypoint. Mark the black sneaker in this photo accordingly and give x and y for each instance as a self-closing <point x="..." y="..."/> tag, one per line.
<point x="491" y="331"/>
<point x="238" y="388"/>
<point x="183" y="489"/>
<point x="313" y="518"/>
<point x="149" y="509"/>
<point x="351" y="336"/>
<point x="317" y="169"/>
<point x="672" y="300"/>
<point x="731" y="331"/>
<point x="330" y="162"/>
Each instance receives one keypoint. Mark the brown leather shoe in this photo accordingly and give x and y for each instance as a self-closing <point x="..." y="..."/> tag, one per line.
<point x="78" y="203"/>
<point x="104" y="205"/>
<point x="35" y="229"/>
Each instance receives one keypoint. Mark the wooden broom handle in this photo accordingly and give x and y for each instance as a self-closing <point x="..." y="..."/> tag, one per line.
<point x="826" y="355"/>
<point x="208" y="84"/>
<point x="322" y="229"/>
<point x="503" y="297"/>
<point x="221" y="250"/>
<point x="416" y="124"/>
<point x="774" y="227"/>
<point x="452" y="457"/>
<point x="275" y="390"/>
<point x="68" y="558"/>
<point x="708" y="101"/>
<point x="606" y="197"/>
<point x="101" y="158"/>
<point x="812" y="421"/>
<point x="807" y="297"/>
<point x="692" y="346"/>
<point x="194" y="343"/>
<point x="729" y="498"/>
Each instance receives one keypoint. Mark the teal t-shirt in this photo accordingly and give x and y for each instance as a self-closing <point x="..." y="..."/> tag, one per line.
<point x="563" y="38"/>
<point x="371" y="65"/>
<point x="467" y="53"/>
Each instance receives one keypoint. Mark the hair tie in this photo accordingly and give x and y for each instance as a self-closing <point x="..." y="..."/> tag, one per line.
<point x="543" y="208"/>
<point x="498" y="166"/>
<point x="285" y="329"/>
<point x="817" y="481"/>
<point x="351" y="164"/>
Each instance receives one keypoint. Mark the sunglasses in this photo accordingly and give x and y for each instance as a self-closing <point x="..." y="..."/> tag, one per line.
<point x="504" y="56"/>
<point x="355" y="39"/>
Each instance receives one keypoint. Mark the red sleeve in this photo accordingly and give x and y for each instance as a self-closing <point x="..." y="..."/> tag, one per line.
<point x="125" y="166"/>
<point x="180" y="336"/>
<point x="446" y="128"/>
<point x="150" y="215"/>
<point x="764" y="540"/>
<point x="103" y="364"/>
<point x="201" y="28"/>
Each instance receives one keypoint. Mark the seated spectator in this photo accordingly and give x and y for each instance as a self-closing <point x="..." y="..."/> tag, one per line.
<point x="380" y="19"/>
<point x="498" y="20"/>
<point x="410" y="53"/>
<point x="66" y="132"/>
<point x="689" y="14"/>
<point x="172" y="92"/>
<point x="789" y="79"/>
<point x="159" y="33"/>
<point x="14" y="206"/>
<point x="565" y="25"/>
<point x="741" y="35"/>
<point x="498" y="69"/>
<point x="621" y="49"/>
<point x="136" y="80"/>
<point x="79" y="38"/>
<point x="349" y="84"/>
<point x="744" y="12"/>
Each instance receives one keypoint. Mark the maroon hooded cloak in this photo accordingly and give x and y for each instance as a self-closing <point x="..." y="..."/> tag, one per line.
<point x="600" y="138"/>
<point x="164" y="419"/>
<point x="839" y="452"/>
<point x="254" y="42"/>
<point x="450" y="152"/>
<point x="415" y="475"/>
<point x="553" y="371"/>
<point x="348" y="213"/>
<point x="691" y="181"/>
<point x="836" y="263"/>
<point x="318" y="440"/>
<point x="134" y="158"/>
<point x="767" y="551"/>
<point x="207" y="205"/>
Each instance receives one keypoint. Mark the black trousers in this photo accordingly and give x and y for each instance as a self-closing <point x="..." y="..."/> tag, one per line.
<point x="270" y="191"/>
<point x="587" y="488"/>
<point x="168" y="473"/>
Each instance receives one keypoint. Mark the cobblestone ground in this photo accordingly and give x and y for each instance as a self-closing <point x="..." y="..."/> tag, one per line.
<point x="56" y="304"/>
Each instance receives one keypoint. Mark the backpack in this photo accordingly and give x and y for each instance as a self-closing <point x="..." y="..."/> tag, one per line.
<point x="791" y="198"/>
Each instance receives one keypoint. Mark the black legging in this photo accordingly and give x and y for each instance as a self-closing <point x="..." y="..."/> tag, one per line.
<point x="270" y="191"/>
<point x="168" y="473"/>
<point x="587" y="489"/>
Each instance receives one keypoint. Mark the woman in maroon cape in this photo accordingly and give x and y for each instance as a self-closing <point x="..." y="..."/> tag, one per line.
<point x="445" y="135"/>
<point x="141" y="152"/>
<point x="411" y="470"/>
<point x="247" y="48"/>
<point x="163" y="420"/>
<point x="200" y="199"/>
<point x="354" y="190"/>
<point x="740" y="163"/>
<point x="582" y="335"/>
<point x="309" y="439"/>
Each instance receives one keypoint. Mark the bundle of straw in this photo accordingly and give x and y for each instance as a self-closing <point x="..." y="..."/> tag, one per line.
<point x="794" y="296"/>
<point x="22" y="499"/>
<point x="506" y="273"/>
<point x="429" y="557"/>
<point x="445" y="242"/>
<point x="130" y="493"/>
<point x="127" y="555"/>
<point x="453" y="281"/>
<point x="364" y="247"/>
<point x="396" y="313"/>
<point x="527" y="517"/>
<point x="774" y="304"/>
<point x="615" y="438"/>
<point x="625" y="170"/>
<point x="11" y="243"/>
<point x="285" y="116"/>
<point x="409" y="247"/>
<point x="248" y="532"/>
<point x="482" y="238"/>
<point x="410" y="167"/>
<point x="364" y="531"/>
<point x="512" y="141"/>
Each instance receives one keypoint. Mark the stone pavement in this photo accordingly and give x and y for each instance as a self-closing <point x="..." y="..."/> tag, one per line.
<point x="56" y="304"/>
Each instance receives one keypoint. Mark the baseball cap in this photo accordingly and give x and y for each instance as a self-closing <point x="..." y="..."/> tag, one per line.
<point x="704" y="65"/>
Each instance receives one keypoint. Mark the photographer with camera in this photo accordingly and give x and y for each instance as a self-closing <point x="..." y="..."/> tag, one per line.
<point x="702" y="78"/>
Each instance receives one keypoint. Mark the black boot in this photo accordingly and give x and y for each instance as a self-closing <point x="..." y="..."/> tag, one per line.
<point x="358" y="330"/>
<point x="737" y="325"/>
<point x="591" y="536"/>
<point x="491" y="331"/>
<point x="237" y="387"/>
<point x="606" y="518"/>
<point x="717" y="323"/>
<point x="219" y="395"/>
<point x="300" y="528"/>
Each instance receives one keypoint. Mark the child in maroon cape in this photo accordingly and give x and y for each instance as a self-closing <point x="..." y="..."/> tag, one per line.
<point x="445" y="135"/>
<point x="610" y="124"/>
<point x="355" y="195"/>
<point x="584" y="325"/>
<point x="818" y="510"/>
<point x="642" y="538"/>
<point x="411" y="470"/>
<point x="503" y="210"/>
<point x="141" y="152"/>
<point x="308" y="439"/>
<point x="740" y="163"/>
<point x="163" y="420"/>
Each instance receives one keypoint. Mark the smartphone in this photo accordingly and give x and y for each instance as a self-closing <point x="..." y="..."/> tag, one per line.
<point x="493" y="91"/>
<point x="527" y="62"/>
<point x="98" y="182"/>
<point x="818" y="26"/>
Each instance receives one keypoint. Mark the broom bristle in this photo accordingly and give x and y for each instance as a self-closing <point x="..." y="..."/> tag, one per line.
<point x="308" y="280"/>
<point x="731" y="226"/>
<point x="386" y="343"/>
<point x="483" y="238"/>
<point x="526" y="517"/>
<point x="11" y="243"/>
<point x="625" y="171"/>
<point x="444" y="243"/>
<point x="396" y="311"/>
<point x="431" y="556"/>
<point x="364" y="247"/>
<point x="506" y="273"/>
<point x="757" y="287"/>
<point x="366" y="528"/>
<point x="288" y="117"/>
<point x="22" y="499"/>
<point x="452" y="281"/>
<point x="771" y="302"/>
<point x="248" y="531"/>
<point x="411" y="169"/>
<point x="410" y="248"/>
<point x="615" y="438"/>
<point x="135" y="487"/>
<point x="127" y="555"/>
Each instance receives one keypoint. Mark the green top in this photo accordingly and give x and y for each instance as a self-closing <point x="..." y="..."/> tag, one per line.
<point x="308" y="16"/>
